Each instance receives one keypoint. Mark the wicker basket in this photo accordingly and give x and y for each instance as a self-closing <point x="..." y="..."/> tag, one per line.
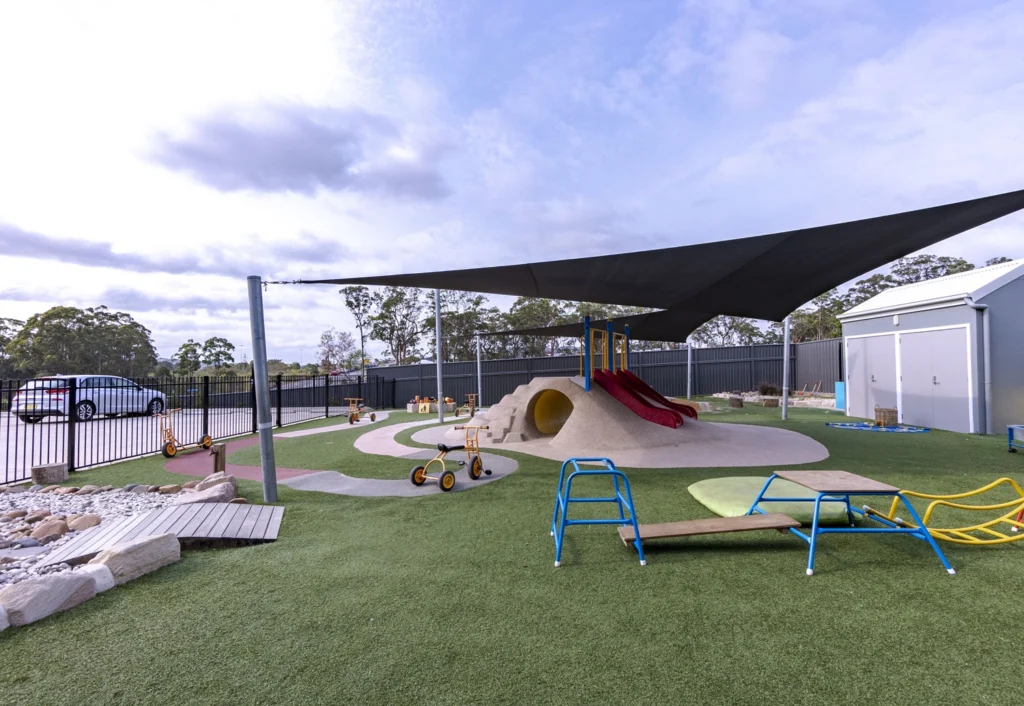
<point x="886" y="417"/>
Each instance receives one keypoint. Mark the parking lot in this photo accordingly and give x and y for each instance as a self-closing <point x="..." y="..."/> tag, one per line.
<point x="108" y="439"/>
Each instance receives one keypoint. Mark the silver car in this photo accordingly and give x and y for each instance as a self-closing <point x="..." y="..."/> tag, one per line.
<point x="96" y="394"/>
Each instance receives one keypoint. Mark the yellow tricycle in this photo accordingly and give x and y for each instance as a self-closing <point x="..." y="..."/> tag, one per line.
<point x="446" y="479"/>
<point x="355" y="409"/>
<point x="169" y="444"/>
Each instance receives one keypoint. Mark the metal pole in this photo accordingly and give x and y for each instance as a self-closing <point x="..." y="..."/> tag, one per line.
<point x="437" y="326"/>
<point x="586" y="353"/>
<point x="479" y="376"/>
<point x="265" y="422"/>
<point x="689" y="368"/>
<point x="625" y="362"/>
<point x="785" y="369"/>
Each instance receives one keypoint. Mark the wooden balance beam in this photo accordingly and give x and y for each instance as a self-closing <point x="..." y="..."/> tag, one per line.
<point x="715" y="525"/>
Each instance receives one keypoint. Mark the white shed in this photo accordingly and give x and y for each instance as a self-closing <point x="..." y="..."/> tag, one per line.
<point x="947" y="353"/>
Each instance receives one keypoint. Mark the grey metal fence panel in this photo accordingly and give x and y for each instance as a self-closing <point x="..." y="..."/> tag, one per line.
<point x="714" y="370"/>
<point x="819" y="361"/>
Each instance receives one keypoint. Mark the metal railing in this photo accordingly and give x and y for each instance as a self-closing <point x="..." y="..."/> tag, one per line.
<point x="87" y="422"/>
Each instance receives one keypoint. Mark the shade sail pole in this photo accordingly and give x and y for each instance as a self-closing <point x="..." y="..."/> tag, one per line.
<point x="785" y="369"/>
<point x="265" y="425"/>
<point x="689" y="368"/>
<point x="479" y="376"/>
<point x="437" y="330"/>
<point x="586" y="353"/>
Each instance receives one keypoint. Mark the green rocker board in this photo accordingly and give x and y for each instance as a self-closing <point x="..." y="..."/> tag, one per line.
<point x="731" y="497"/>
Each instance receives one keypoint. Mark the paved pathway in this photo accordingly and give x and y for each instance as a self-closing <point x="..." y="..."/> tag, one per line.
<point x="380" y="442"/>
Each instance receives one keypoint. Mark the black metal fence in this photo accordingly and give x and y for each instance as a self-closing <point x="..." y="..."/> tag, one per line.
<point x="714" y="370"/>
<point x="86" y="422"/>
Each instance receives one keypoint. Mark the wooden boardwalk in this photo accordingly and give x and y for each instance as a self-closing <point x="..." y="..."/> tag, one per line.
<point x="253" y="524"/>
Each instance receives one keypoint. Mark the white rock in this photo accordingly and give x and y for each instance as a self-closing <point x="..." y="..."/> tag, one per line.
<point x="100" y="574"/>
<point x="32" y="600"/>
<point x="138" y="557"/>
<point x="216" y="479"/>
<point x="4" y="622"/>
<point x="220" y="493"/>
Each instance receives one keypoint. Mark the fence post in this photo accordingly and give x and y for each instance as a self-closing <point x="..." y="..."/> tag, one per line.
<point x="280" y="378"/>
<point x="72" y="415"/>
<point x="206" y="405"/>
<point x="327" y="395"/>
<point x="750" y="354"/>
<point x="252" y="403"/>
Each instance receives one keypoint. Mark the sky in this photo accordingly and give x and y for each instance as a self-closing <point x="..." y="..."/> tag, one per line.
<point x="152" y="155"/>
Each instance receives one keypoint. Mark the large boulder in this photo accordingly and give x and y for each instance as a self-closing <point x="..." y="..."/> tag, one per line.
<point x="84" y="522"/>
<point x="36" y="516"/>
<point x="34" y="599"/>
<point x="216" y="479"/>
<point x="220" y="493"/>
<point x="169" y="489"/>
<point x="100" y="574"/>
<point x="4" y="622"/>
<point x="50" y="527"/>
<point x="138" y="557"/>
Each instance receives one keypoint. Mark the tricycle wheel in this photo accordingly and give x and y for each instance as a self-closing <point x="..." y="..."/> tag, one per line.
<point x="476" y="467"/>
<point x="456" y="412"/>
<point x="418" y="475"/>
<point x="447" y="481"/>
<point x="206" y="441"/>
<point x="353" y="418"/>
<point x="169" y="450"/>
<point x="373" y="416"/>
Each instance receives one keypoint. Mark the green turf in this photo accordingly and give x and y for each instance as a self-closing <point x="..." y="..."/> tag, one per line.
<point x="453" y="599"/>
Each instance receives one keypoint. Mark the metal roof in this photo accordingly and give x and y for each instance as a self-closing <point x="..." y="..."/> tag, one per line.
<point x="951" y="288"/>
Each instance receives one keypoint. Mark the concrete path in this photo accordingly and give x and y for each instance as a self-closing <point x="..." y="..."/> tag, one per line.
<point x="381" y="442"/>
<point x="363" y="422"/>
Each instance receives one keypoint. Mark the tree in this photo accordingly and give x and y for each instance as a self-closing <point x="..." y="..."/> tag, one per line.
<point x="727" y="331"/>
<point x="335" y="347"/>
<point x="218" y="352"/>
<point x="188" y="359"/>
<point x="866" y="288"/>
<point x="396" y="322"/>
<point x="359" y="302"/>
<point x="997" y="260"/>
<point x="68" y="340"/>
<point x="525" y="313"/>
<point x="919" y="268"/>
<point x="8" y="330"/>
<point x="463" y="315"/>
<point x="820" y="321"/>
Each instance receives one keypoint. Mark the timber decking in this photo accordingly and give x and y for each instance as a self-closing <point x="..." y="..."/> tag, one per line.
<point x="714" y="525"/>
<point x="836" y="482"/>
<point x="204" y="521"/>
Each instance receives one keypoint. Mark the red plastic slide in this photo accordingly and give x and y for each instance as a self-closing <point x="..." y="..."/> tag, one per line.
<point x="632" y="381"/>
<point x="637" y="404"/>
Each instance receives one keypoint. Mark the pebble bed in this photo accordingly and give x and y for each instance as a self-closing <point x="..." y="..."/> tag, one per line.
<point x="110" y="505"/>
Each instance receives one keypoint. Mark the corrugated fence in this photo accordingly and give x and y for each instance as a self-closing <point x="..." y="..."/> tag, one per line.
<point x="714" y="370"/>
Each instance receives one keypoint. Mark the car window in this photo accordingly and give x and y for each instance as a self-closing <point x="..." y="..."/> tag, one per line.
<point x="121" y="382"/>
<point x="95" y="383"/>
<point x="44" y="384"/>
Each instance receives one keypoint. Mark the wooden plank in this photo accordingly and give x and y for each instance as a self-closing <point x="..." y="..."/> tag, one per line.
<point x="204" y="529"/>
<point x="237" y="520"/>
<point x="261" y="524"/>
<point x="183" y="519"/>
<point x="246" y="528"/>
<point x="81" y="540"/>
<point x="714" y="525"/>
<point x="190" y="529"/>
<point x="144" y="528"/>
<point x="275" y="524"/>
<point x="836" y="482"/>
<point x="113" y="538"/>
<point x="222" y="524"/>
<point x="95" y="543"/>
<point x="168" y="518"/>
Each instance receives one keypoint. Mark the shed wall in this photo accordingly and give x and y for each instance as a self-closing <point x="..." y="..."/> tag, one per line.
<point x="1006" y="317"/>
<point x="935" y="318"/>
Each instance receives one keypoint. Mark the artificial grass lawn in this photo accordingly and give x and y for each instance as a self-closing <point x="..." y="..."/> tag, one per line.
<point x="453" y="599"/>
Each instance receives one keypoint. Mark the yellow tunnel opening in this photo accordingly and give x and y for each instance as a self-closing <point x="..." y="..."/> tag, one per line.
<point x="550" y="410"/>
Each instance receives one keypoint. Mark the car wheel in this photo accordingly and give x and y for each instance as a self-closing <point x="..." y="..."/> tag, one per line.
<point x="156" y="406"/>
<point x="86" y="411"/>
<point x="29" y="419"/>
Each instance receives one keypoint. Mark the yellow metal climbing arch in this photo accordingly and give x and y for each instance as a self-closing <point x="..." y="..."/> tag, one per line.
<point x="978" y="534"/>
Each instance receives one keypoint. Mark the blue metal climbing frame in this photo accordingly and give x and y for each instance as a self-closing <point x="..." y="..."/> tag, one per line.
<point x="559" y="519"/>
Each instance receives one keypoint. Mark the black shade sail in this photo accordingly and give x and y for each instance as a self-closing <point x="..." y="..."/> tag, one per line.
<point x="764" y="277"/>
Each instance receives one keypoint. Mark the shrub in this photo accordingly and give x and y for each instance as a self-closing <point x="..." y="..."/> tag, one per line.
<point x="769" y="389"/>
